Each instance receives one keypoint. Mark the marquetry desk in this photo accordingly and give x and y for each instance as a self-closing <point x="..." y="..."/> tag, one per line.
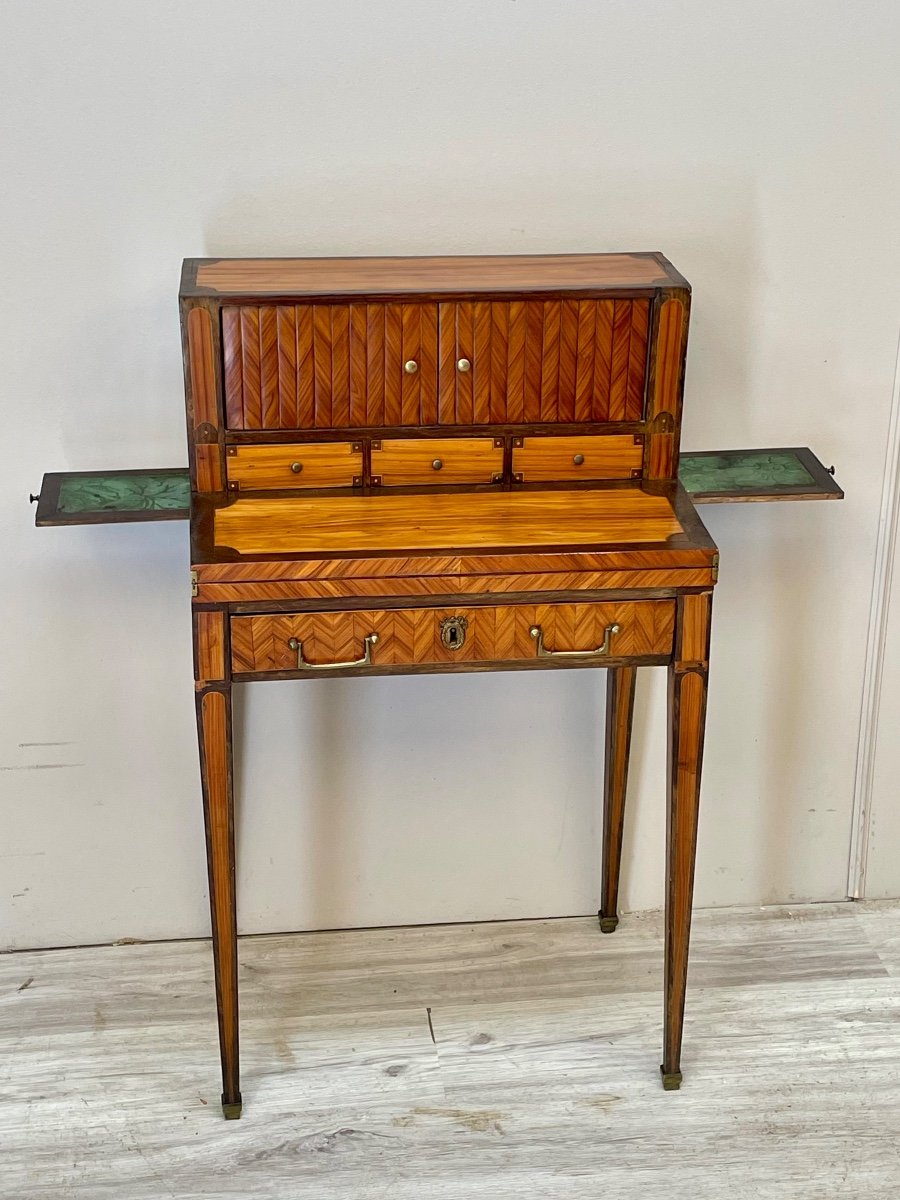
<point x="438" y="465"/>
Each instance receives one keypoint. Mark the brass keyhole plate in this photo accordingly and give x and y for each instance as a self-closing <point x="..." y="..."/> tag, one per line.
<point x="453" y="632"/>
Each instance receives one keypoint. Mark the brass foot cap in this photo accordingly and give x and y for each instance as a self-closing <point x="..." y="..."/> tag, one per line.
<point x="671" y="1080"/>
<point x="608" y="924"/>
<point x="231" y="1109"/>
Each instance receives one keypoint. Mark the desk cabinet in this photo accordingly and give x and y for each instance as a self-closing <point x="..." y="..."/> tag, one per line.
<point x="445" y="465"/>
<point x="436" y="465"/>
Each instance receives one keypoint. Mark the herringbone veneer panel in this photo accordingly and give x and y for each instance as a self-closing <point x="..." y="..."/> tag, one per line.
<point x="324" y="366"/>
<point x="413" y="636"/>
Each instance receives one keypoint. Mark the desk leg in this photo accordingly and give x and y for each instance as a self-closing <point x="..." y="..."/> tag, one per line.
<point x="687" y="720"/>
<point x="214" y="732"/>
<point x="619" y="713"/>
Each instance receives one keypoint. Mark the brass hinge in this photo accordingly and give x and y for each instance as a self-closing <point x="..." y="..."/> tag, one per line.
<point x="195" y="587"/>
<point x="715" y="568"/>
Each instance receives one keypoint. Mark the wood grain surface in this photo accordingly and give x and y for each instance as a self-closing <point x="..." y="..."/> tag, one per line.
<point x="607" y="456"/>
<point x="208" y="464"/>
<point x="668" y="357"/>
<point x="327" y="366"/>
<point x="542" y="360"/>
<point x="402" y="566"/>
<point x="202" y="367"/>
<point x="687" y="722"/>
<point x="330" y="365"/>
<point x="209" y="646"/>
<point x="695" y="629"/>
<point x="329" y="524"/>
<point x="620" y="686"/>
<point x="322" y="465"/>
<point x="664" y="411"/>
<point x="214" y="730"/>
<point x="410" y="586"/>
<point x="344" y="276"/>
<point x="399" y="461"/>
<point x="260" y="643"/>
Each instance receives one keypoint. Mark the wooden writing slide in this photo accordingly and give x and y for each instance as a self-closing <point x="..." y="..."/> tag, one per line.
<point x="708" y="476"/>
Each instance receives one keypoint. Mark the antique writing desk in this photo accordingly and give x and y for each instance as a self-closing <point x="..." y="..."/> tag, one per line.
<point x="445" y="464"/>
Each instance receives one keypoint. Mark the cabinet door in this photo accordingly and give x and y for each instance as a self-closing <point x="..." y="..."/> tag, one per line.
<point x="542" y="361"/>
<point x="473" y="362"/>
<point x="329" y="366"/>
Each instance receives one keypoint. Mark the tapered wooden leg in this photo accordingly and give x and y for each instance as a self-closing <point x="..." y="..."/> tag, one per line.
<point x="619" y="714"/>
<point x="214" y="730"/>
<point x="687" y="720"/>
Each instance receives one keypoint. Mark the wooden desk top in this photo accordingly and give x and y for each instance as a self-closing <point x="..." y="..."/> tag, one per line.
<point x="446" y="274"/>
<point x="535" y="541"/>
<point x="441" y="521"/>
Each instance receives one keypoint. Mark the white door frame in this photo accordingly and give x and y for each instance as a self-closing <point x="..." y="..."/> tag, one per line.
<point x="879" y="610"/>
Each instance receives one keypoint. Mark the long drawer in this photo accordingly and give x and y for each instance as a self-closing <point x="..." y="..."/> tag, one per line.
<point x="546" y="634"/>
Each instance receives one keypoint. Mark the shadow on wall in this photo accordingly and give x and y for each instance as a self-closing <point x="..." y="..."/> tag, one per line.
<point x="408" y="800"/>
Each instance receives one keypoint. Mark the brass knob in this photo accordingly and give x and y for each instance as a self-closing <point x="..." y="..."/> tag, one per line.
<point x="437" y="464"/>
<point x="296" y="468"/>
<point x="464" y="365"/>
<point x="411" y="366"/>
<point x="578" y="460"/>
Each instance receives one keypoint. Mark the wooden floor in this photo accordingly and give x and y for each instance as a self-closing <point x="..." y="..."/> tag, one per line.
<point x="503" y="1060"/>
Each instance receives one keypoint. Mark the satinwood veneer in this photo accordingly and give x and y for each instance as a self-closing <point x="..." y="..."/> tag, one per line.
<point x="380" y="448"/>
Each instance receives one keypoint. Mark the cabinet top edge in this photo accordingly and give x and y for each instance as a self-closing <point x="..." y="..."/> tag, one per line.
<point x="227" y="277"/>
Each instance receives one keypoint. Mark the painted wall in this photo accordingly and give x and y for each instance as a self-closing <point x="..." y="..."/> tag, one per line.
<point x="753" y="144"/>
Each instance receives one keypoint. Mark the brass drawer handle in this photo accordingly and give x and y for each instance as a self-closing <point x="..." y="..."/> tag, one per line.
<point x="303" y="665"/>
<point x="296" y="467"/>
<point x="463" y="364"/>
<point x="542" y="652"/>
<point x="410" y="366"/>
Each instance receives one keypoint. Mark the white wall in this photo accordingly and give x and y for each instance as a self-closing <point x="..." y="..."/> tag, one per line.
<point x="754" y="144"/>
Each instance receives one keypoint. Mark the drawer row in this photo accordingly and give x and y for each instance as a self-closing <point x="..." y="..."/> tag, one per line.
<point x="542" y="634"/>
<point x="394" y="462"/>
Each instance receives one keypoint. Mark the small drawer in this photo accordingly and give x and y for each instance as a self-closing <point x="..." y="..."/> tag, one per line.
<point x="437" y="460"/>
<point x="301" y="465"/>
<point x="540" y="634"/>
<point x="607" y="456"/>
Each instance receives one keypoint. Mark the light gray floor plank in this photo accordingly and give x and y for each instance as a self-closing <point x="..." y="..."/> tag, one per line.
<point x="881" y="923"/>
<point x="541" y="1080"/>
